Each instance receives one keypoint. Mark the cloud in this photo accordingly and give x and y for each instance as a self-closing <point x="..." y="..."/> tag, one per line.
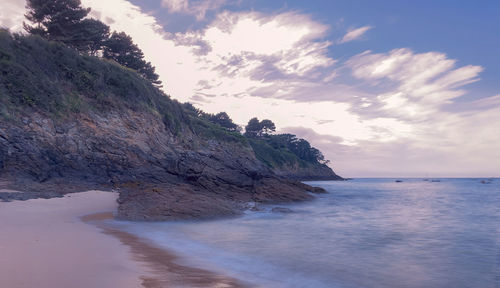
<point x="197" y="8"/>
<point x="176" y="5"/>
<point x="12" y="15"/>
<point x="412" y="85"/>
<point x="355" y="34"/>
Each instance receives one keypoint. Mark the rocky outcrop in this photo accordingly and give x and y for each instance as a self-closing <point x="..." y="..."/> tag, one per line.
<point x="160" y="176"/>
<point x="68" y="119"/>
<point x="307" y="172"/>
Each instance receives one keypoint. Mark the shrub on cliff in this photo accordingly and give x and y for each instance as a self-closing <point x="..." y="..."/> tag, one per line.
<point x="280" y="149"/>
<point x="48" y="77"/>
<point x="65" y="21"/>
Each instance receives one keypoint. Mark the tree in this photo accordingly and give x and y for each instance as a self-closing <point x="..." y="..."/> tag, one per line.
<point x="253" y="127"/>
<point x="267" y="127"/>
<point x="192" y="110"/>
<point x="148" y="72"/>
<point x="121" y="48"/>
<point x="258" y="128"/>
<point x="91" y="36"/>
<point x="64" y="21"/>
<point x="36" y="14"/>
<point x="57" y="20"/>
<point x="224" y="120"/>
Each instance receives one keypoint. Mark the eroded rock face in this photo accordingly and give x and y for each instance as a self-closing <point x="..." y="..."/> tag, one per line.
<point x="308" y="173"/>
<point x="160" y="176"/>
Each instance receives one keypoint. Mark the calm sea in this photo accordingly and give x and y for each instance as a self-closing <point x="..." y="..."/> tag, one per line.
<point x="364" y="233"/>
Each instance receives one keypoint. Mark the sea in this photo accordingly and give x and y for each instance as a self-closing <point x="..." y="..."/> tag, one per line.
<point x="362" y="233"/>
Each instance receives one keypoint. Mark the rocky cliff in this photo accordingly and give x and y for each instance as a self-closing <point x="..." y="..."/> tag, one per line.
<point x="299" y="172"/>
<point x="68" y="118"/>
<point x="160" y="175"/>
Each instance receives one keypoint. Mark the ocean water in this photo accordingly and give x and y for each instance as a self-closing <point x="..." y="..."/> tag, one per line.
<point x="363" y="233"/>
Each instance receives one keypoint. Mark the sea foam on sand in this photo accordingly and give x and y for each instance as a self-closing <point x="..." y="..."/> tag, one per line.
<point x="44" y="243"/>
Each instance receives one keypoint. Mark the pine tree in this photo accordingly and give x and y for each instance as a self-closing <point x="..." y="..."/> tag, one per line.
<point x="121" y="48"/>
<point x="57" y="20"/>
<point x="91" y="36"/>
<point x="37" y="15"/>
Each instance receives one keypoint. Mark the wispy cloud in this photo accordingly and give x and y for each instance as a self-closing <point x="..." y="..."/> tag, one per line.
<point x="414" y="85"/>
<point x="354" y="34"/>
<point x="198" y="8"/>
<point x="12" y="15"/>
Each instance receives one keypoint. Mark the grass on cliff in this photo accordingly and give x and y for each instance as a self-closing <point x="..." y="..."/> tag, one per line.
<point x="275" y="157"/>
<point x="47" y="77"/>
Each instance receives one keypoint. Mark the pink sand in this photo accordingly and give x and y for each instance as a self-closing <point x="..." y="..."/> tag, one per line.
<point x="44" y="243"/>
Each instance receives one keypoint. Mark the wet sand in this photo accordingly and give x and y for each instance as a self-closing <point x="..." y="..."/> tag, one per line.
<point x="162" y="264"/>
<point x="45" y="243"/>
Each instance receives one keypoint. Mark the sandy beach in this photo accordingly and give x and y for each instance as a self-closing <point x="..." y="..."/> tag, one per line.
<point x="63" y="242"/>
<point x="44" y="243"/>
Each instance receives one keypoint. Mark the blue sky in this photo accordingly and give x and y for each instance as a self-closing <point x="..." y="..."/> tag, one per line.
<point x="464" y="30"/>
<point x="383" y="88"/>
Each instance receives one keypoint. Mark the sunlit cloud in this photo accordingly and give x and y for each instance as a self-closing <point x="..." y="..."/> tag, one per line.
<point x="12" y="15"/>
<point x="419" y="84"/>
<point x="355" y="34"/>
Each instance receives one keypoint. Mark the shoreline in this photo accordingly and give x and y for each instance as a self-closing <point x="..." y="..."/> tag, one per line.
<point x="63" y="242"/>
<point x="165" y="271"/>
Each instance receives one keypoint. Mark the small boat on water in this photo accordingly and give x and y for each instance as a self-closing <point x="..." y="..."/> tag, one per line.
<point x="398" y="181"/>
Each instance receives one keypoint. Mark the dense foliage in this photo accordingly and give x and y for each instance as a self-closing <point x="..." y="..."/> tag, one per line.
<point x="120" y="48"/>
<point x="221" y="119"/>
<point x="279" y="149"/>
<point x="57" y="20"/>
<point x="256" y="128"/>
<point x="49" y="78"/>
<point x="65" y="21"/>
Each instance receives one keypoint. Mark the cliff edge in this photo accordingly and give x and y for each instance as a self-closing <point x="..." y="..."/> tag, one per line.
<point x="68" y="118"/>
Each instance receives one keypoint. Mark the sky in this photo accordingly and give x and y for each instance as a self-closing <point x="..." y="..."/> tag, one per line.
<point x="382" y="88"/>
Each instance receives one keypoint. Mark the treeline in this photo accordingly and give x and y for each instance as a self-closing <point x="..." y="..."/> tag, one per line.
<point x="263" y="131"/>
<point x="66" y="21"/>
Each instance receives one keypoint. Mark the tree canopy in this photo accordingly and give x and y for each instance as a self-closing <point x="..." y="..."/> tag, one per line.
<point x="65" y="21"/>
<point x="57" y="20"/>
<point x="261" y="131"/>
<point x="222" y="118"/>
<point x="92" y="36"/>
<point x="121" y="48"/>
<point x="256" y="128"/>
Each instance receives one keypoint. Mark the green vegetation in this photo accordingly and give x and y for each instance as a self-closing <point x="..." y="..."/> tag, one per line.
<point x="48" y="77"/>
<point x="221" y="119"/>
<point x="256" y="128"/>
<point x="51" y="77"/>
<point x="280" y="149"/>
<point x="120" y="48"/>
<point x="65" y="21"/>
